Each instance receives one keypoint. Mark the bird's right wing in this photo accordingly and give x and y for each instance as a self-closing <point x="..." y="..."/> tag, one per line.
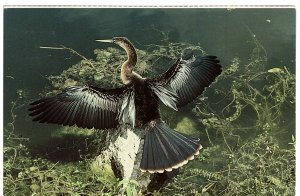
<point x="185" y="80"/>
<point x="87" y="107"/>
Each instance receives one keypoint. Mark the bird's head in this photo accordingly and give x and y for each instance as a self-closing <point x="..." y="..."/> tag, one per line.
<point x="121" y="41"/>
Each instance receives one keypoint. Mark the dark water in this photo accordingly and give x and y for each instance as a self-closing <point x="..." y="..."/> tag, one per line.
<point x="221" y="32"/>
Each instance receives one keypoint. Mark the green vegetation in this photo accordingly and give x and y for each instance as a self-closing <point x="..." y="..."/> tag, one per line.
<point x="257" y="167"/>
<point x="244" y="115"/>
<point x="243" y="120"/>
<point x="25" y="174"/>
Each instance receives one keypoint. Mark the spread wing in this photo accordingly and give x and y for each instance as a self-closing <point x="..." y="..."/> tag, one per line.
<point x="187" y="79"/>
<point x="86" y="107"/>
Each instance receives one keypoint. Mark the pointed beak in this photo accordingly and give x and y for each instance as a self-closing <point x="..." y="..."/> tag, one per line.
<point x="104" y="40"/>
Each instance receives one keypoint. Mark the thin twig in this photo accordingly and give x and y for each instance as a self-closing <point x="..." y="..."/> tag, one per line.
<point x="70" y="50"/>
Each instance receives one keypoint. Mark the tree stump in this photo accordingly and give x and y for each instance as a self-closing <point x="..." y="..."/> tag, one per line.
<point x="123" y="155"/>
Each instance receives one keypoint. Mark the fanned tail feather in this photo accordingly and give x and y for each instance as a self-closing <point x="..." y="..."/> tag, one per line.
<point x="166" y="149"/>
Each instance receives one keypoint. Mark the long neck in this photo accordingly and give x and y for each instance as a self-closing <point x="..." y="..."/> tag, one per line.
<point x="127" y="67"/>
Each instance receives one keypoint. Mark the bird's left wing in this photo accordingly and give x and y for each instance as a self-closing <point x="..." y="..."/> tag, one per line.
<point x="186" y="80"/>
<point x="86" y="107"/>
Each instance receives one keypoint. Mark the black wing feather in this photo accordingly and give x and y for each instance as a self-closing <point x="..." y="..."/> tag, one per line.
<point x="86" y="107"/>
<point x="188" y="78"/>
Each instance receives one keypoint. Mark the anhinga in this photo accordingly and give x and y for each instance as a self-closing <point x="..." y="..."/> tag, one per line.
<point x="137" y="103"/>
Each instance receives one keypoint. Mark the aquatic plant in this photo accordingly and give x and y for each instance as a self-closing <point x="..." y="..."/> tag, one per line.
<point x="242" y="123"/>
<point x="258" y="167"/>
<point x="26" y="174"/>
